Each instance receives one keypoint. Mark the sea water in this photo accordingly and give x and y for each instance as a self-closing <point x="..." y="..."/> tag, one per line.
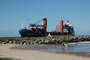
<point x="71" y="47"/>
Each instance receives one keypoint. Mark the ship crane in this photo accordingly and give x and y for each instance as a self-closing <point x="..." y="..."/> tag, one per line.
<point x="39" y="28"/>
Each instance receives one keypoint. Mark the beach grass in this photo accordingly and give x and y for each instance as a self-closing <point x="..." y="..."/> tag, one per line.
<point x="8" y="58"/>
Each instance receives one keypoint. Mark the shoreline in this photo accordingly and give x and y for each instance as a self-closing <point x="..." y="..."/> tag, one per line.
<point x="80" y="54"/>
<point x="29" y="54"/>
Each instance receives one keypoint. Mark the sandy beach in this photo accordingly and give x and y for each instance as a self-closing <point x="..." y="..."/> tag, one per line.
<point x="5" y="51"/>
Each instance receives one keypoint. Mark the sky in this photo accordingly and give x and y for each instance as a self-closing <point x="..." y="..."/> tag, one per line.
<point x="14" y="13"/>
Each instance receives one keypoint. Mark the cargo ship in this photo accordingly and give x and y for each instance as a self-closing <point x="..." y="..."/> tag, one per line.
<point x="35" y="30"/>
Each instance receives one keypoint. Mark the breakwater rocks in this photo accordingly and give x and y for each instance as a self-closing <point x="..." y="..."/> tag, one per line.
<point x="44" y="40"/>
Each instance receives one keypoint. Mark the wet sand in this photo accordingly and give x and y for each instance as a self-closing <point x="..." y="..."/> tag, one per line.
<point x="5" y="51"/>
